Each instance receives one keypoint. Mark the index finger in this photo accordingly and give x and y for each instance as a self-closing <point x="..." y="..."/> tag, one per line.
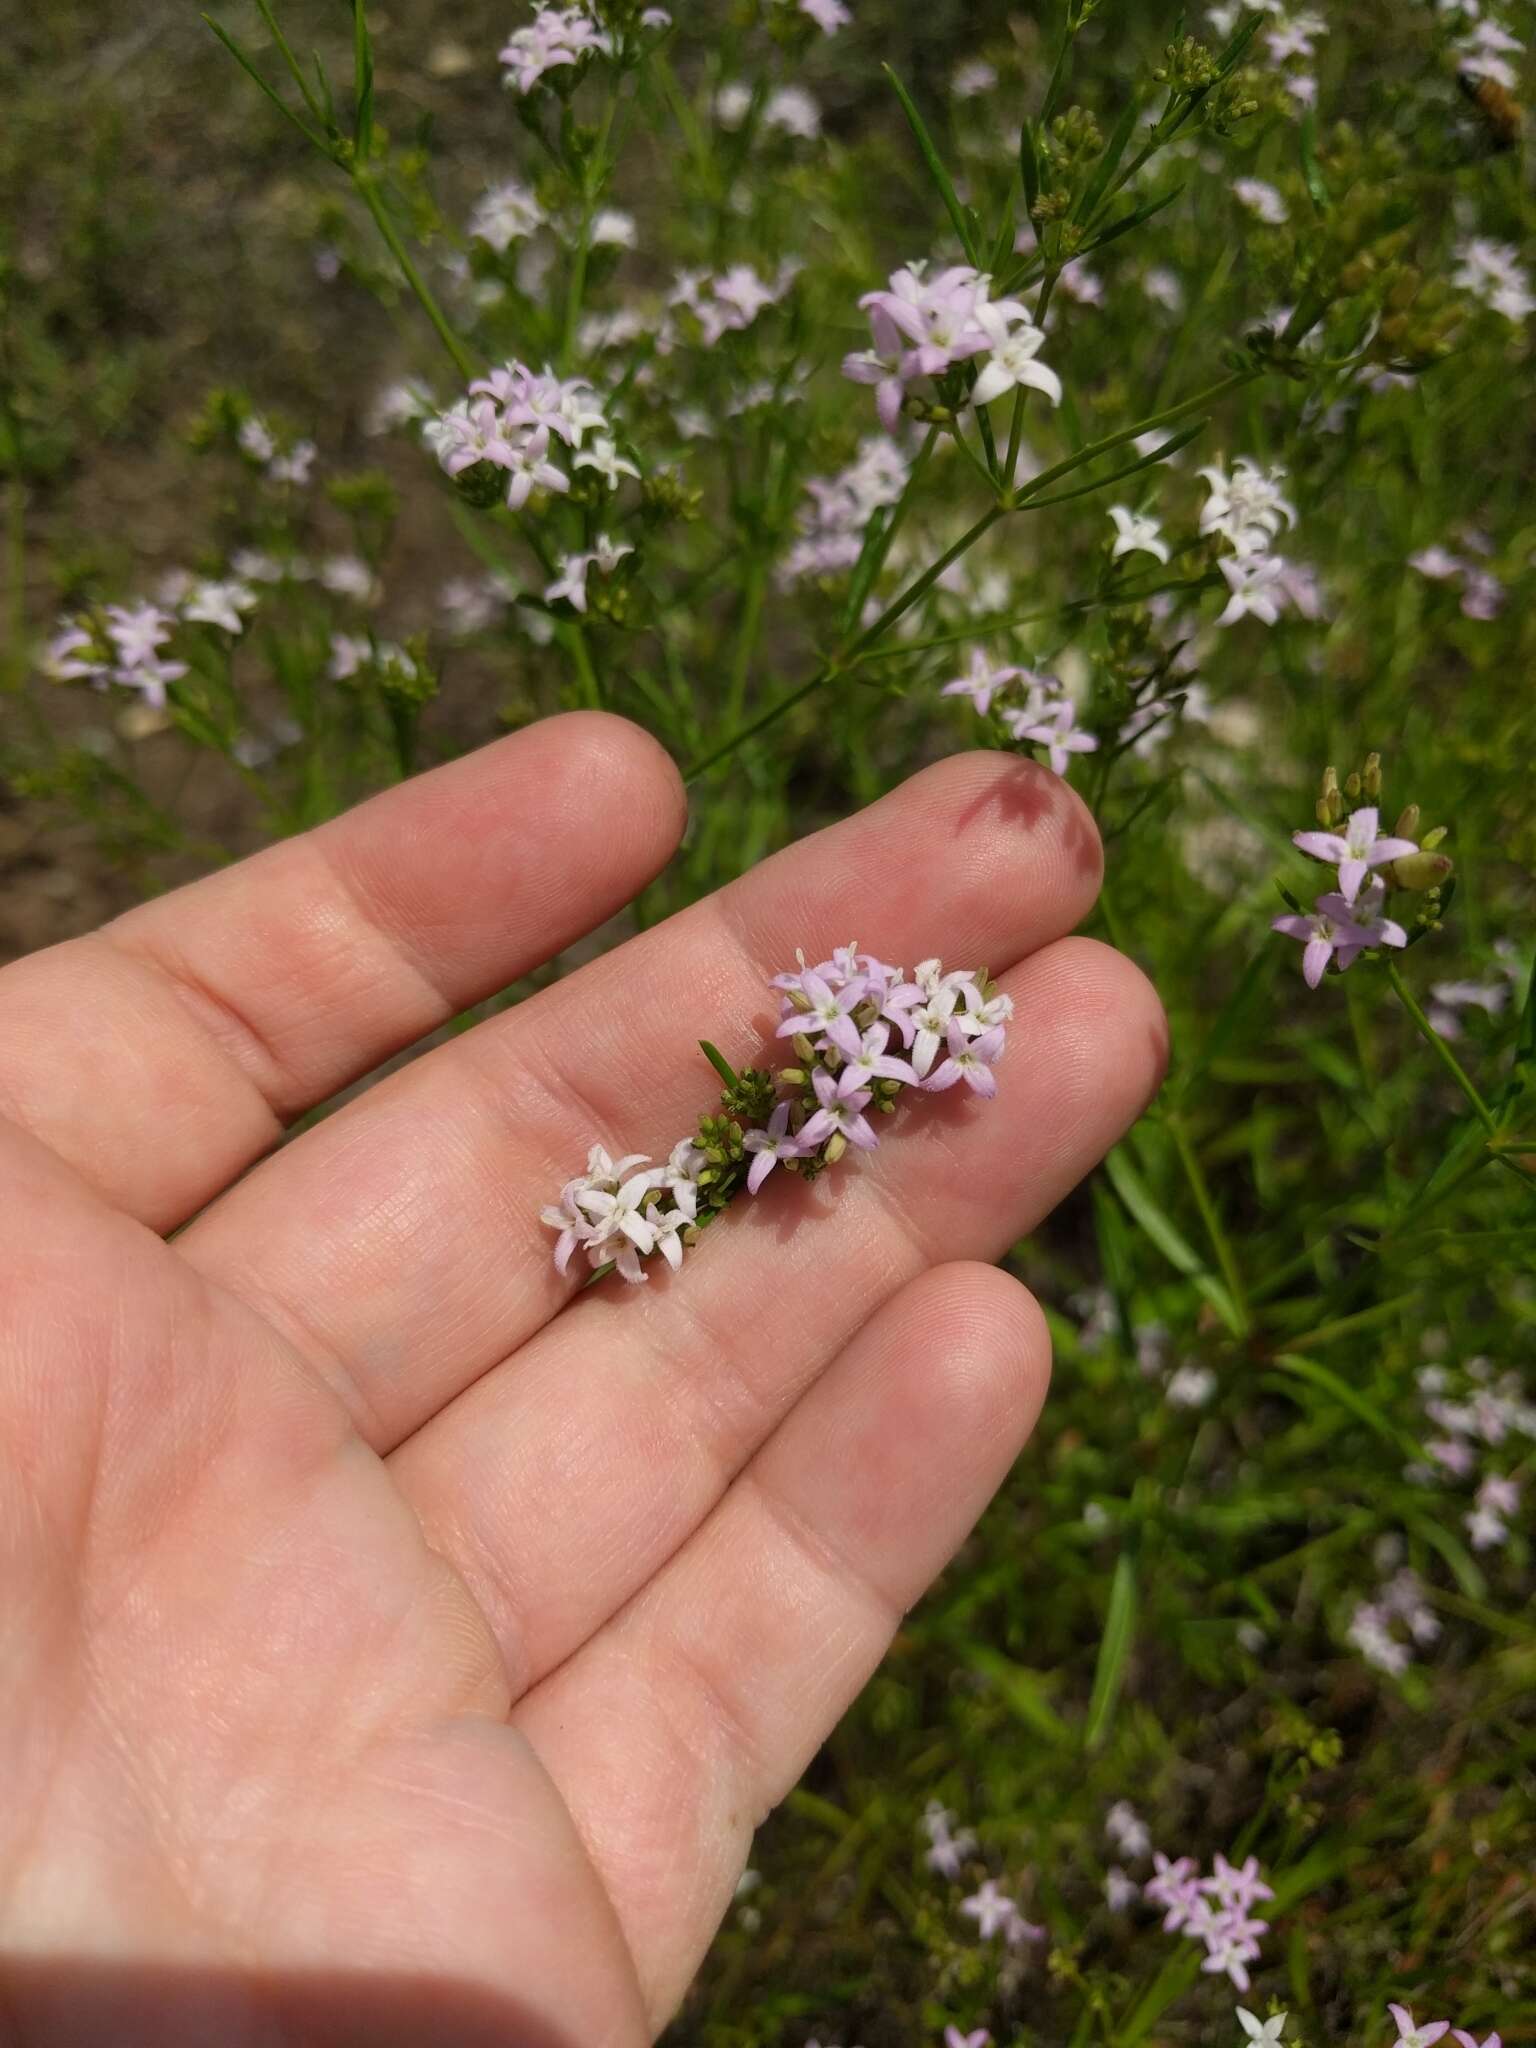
<point x="163" y="1054"/>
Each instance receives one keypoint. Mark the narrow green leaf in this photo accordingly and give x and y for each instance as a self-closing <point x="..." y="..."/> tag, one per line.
<point x="1161" y="453"/>
<point x="1114" y="1650"/>
<point x="1164" y="1233"/>
<point x="1311" y="170"/>
<point x="295" y="68"/>
<point x="1170" y="1983"/>
<point x="1233" y="1014"/>
<point x="1237" y="48"/>
<point x="1465" y="1569"/>
<point x="1339" y="1390"/>
<point x="1109" y="162"/>
<point x="719" y="1062"/>
<point x="1021" y="1690"/>
<point x="362" y="58"/>
<point x="247" y="66"/>
<point x="1135" y="219"/>
<point x="327" y="98"/>
<point x="1029" y="165"/>
<point x="1525" y="1044"/>
<point x="867" y="567"/>
<point x="936" y="170"/>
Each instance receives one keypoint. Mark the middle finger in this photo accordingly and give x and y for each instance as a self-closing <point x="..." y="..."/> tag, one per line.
<point x="398" y="1244"/>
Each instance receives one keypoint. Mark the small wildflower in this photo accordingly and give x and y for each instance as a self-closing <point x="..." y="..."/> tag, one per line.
<point x="1411" y="2036"/>
<point x="1264" y="2033"/>
<point x="1137" y="533"/>
<point x="1359" y="848"/>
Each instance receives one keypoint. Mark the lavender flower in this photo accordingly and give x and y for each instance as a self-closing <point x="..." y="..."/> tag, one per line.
<point x="1411" y="2036"/>
<point x="556" y="36"/>
<point x="1357" y="850"/>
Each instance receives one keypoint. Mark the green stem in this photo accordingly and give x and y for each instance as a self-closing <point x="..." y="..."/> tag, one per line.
<point x="913" y="594"/>
<point x="746" y="637"/>
<point x="373" y="199"/>
<point x="1220" y="1244"/>
<point x="1149" y="426"/>
<point x="592" y="192"/>
<point x="1440" y="1049"/>
<point x="15" y="670"/>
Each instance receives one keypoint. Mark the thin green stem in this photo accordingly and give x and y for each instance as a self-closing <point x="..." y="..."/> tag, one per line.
<point x="1149" y="426"/>
<point x="592" y="192"/>
<point x="15" y="670"/>
<point x="1220" y="1243"/>
<point x="913" y="594"/>
<point x="1440" y="1049"/>
<point x="373" y="199"/>
<point x="753" y="599"/>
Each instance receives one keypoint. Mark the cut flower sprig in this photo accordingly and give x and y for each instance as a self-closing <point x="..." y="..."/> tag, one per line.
<point x="861" y="1033"/>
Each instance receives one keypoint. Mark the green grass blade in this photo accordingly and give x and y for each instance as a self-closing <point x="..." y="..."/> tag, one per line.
<point x="1109" y="162"/>
<point x="941" y="178"/>
<point x="1339" y="1390"/>
<point x="247" y="66"/>
<point x="362" y="57"/>
<point x="1114" y="1650"/>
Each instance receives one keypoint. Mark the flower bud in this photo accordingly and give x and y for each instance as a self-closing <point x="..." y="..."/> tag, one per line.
<point x="1330" y="805"/>
<point x="837" y="1145"/>
<point x="793" y="1077"/>
<point x="1370" y="782"/>
<point x="1352" y="787"/>
<point x="1433" y="839"/>
<point x="1407" y="826"/>
<point x="805" y="1052"/>
<point x="1421" y="870"/>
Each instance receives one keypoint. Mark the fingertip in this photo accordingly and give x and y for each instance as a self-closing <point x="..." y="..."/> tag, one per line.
<point x="997" y="1344"/>
<point x="621" y="760"/>
<point x="1016" y="831"/>
<point x="1114" y="1051"/>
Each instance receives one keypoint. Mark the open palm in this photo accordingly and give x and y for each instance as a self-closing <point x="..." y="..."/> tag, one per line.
<point x="391" y="1646"/>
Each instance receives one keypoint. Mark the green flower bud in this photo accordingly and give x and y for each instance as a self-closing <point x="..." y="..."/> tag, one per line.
<point x="837" y="1145"/>
<point x="1370" y="781"/>
<point x="1433" y="839"/>
<point x="1407" y="826"/>
<point x="1421" y="870"/>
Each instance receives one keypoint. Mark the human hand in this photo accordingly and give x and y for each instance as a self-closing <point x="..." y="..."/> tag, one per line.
<point x="391" y="1647"/>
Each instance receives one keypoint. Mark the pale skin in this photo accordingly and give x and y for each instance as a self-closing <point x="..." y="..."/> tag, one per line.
<point x="393" y="1646"/>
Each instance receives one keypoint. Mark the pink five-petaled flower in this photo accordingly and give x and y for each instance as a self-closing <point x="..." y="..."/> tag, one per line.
<point x="1229" y="1951"/>
<point x="1410" y="2036"/>
<point x="981" y="681"/>
<point x="530" y="470"/>
<point x="1055" y="729"/>
<point x="953" y="2038"/>
<point x="970" y="1060"/>
<point x="772" y="1145"/>
<point x="1356" y="850"/>
<point x="1470" y="2041"/>
<point x="1175" y="1887"/>
<point x="1236" y="1888"/>
<point x="872" y="1062"/>
<point x="881" y="366"/>
<point x="828" y="1008"/>
<point x="828" y="15"/>
<point x="1337" y="927"/>
<point x="840" y="1116"/>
